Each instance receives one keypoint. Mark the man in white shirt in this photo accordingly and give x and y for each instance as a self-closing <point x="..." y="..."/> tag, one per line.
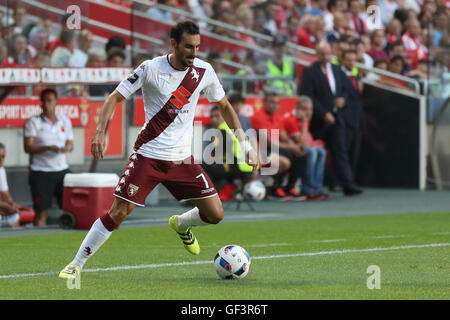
<point x="9" y="211"/>
<point x="171" y="86"/>
<point x="47" y="137"/>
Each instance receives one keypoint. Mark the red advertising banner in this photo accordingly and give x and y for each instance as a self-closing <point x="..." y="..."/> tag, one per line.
<point x="14" y="112"/>
<point x="252" y="104"/>
<point x="114" y="136"/>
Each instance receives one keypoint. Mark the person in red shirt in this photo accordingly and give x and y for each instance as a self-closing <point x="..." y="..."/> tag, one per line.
<point x="281" y="149"/>
<point x="305" y="33"/>
<point x="296" y="125"/>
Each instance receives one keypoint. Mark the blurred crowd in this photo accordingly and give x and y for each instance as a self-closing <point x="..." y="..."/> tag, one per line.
<point x="407" y="37"/>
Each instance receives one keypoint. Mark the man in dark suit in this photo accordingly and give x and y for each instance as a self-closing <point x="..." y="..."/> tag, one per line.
<point x="328" y="86"/>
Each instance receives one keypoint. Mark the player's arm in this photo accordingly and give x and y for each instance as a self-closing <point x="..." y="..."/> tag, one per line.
<point x="232" y="120"/>
<point x="98" y="141"/>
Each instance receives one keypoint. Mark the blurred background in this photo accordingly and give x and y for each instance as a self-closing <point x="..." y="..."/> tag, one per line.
<point x="84" y="48"/>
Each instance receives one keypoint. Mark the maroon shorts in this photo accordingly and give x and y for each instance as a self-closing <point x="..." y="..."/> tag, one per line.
<point x="185" y="179"/>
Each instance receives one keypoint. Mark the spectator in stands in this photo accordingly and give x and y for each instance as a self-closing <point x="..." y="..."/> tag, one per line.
<point x="291" y="28"/>
<point x="20" y="56"/>
<point x="286" y="153"/>
<point x="395" y="48"/>
<point x="296" y="126"/>
<point x="260" y="27"/>
<point x="412" y="40"/>
<point x="214" y="59"/>
<point x="55" y="43"/>
<point x="162" y="15"/>
<point x="237" y="101"/>
<point x="280" y="65"/>
<point x="342" y="45"/>
<point x="396" y="65"/>
<point x="334" y="6"/>
<point x="318" y="7"/>
<point x="394" y="31"/>
<point x="319" y="29"/>
<point x="38" y="40"/>
<point x="63" y="53"/>
<point x="245" y="18"/>
<point x="357" y="22"/>
<point x="223" y="172"/>
<point x="3" y="51"/>
<point x="421" y="72"/>
<point x="47" y="137"/>
<point x="115" y="42"/>
<point x="361" y="56"/>
<point x="440" y="27"/>
<point x="339" y="24"/>
<point x="305" y="33"/>
<point x="301" y="8"/>
<point x="79" y="57"/>
<point x="328" y="120"/>
<point x="377" y="40"/>
<point x="20" y="19"/>
<point x="96" y="58"/>
<point x="116" y="58"/>
<point x="9" y="210"/>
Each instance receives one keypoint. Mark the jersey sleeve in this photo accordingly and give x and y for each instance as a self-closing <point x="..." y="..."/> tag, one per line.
<point x="134" y="81"/>
<point x="214" y="91"/>
<point x="30" y="129"/>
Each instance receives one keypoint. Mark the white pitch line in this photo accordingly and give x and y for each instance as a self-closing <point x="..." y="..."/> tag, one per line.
<point x="300" y="254"/>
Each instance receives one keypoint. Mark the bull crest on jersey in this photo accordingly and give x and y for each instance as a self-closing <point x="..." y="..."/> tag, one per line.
<point x="132" y="190"/>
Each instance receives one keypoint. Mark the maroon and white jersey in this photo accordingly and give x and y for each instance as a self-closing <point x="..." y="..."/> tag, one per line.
<point x="170" y="97"/>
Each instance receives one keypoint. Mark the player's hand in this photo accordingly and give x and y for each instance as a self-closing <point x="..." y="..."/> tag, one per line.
<point x="253" y="159"/>
<point x="98" y="145"/>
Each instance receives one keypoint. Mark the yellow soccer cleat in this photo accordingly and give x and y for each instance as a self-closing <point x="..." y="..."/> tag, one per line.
<point x="189" y="240"/>
<point x="71" y="271"/>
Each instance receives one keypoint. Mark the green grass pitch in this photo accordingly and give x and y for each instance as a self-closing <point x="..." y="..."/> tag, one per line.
<point x="324" y="258"/>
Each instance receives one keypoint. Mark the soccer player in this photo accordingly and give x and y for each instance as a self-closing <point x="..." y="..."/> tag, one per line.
<point x="171" y="85"/>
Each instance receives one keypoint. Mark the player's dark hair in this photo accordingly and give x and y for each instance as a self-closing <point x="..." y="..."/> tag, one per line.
<point x="46" y="91"/>
<point x="181" y="27"/>
<point x="2" y="146"/>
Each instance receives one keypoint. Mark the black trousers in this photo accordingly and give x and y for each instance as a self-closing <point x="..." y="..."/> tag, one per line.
<point x="343" y="143"/>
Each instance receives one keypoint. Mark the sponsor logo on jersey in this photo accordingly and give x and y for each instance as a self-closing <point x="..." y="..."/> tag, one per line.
<point x="206" y="190"/>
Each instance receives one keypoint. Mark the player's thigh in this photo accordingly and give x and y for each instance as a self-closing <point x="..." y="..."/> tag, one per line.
<point x="211" y="208"/>
<point x="139" y="178"/>
<point x="188" y="181"/>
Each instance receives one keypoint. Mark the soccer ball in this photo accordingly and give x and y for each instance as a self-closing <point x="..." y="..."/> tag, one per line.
<point x="255" y="190"/>
<point x="232" y="262"/>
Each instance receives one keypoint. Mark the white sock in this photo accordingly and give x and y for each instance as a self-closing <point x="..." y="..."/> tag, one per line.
<point x="190" y="218"/>
<point x="95" y="238"/>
